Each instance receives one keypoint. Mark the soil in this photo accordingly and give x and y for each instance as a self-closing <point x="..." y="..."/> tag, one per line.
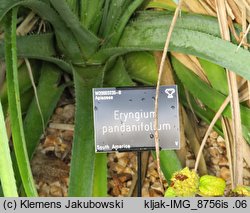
<point x="51" y="161"/>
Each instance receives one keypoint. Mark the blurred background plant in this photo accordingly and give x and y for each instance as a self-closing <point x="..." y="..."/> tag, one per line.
<point x="49" y="47"/>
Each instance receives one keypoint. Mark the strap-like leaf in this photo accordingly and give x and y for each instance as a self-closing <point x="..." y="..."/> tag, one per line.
<point x="33" y="128"/>
<point x="142" y="67"/>
<point x="7" y="176"/>
<point x="48" y="93"/>
<point x="118" y="76"/>
<point x="40" y="47"/>
<point x="120" y="24"/>
<point x="203" y="91"/>
<point x="14" y="104"/>
<point x="83" y="153"/>
<point x="187" y="41"/>
<point x="87" y="41"/>
<point x="91" y="12"/>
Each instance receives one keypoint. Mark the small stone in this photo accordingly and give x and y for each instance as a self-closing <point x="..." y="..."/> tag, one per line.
<point x="214" y="152"/>
<point x="223" y="161"/>
<point x="111" y="157"/>
<point x="67" y="135"/>
<point x="129" y="171"/>
<point x="50" y="140"/>
<point x="220" y="140"/>
<point x="124" y="177"/>
<point x="214" y="135"/>
<point x="56" y="118"/>
<point x="129" y="183"/>
<point x="56" y="191"/>
<point x="152" y="178"/>
<point x="68" y="112"/>
<point x="123" y="161"/>
<point x="157" y="187"/>
<point x="62" y="150"/>
<point x="42" y="194"/>
<point x="215" y="160"/>
<point x="215" y="145"/>
<point x="121" y="155"/>
<point x="51" y="131"/>
<point x="117" y="186"/>
<point x="154" y="193"/>
<point x="190" y="163"/>
<point x="225" y="173"/>
<point x="124" y="191"/>
<point x="119" y="169"/>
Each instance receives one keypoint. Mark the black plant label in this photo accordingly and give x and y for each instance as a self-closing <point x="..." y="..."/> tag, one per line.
<point x="124" y="118"/>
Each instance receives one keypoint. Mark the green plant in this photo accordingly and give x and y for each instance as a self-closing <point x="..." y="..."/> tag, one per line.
<point x="93" y="43"/>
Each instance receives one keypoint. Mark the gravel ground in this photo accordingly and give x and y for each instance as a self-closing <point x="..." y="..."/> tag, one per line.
<point x="51" y="162"/>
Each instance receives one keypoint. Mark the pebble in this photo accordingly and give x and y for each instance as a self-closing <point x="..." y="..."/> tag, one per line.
<point x="119" y="169"/>
<point x="220" y="140"/>
<point x="129" y="183"/>
<point x="125" y="177"/>
<point x="56" y="191"/>
<point x="224" y="173"/>
<point x="59" y="111"/>
<point x="68" y="112"/>
<point x="215" y="160"/>
<point x="123" y="161"/>
<point x="125" y="191"/>
<point x="214" y="135"/>
<point x="157" y="187"/>
<point x="214" y="152"/>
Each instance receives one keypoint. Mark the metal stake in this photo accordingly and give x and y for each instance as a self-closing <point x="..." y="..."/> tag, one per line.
<point x="139" y="175"/>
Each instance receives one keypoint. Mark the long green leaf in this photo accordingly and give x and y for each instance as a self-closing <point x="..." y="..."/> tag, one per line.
<point x="100" y="181"/>
<point x="170" y="163"/>
<point x="139" y="34"/>
<point x="87" y="41"/>
<point x="7" y="176"/>
<point x="205" y="114"/>
<point x="113" y="10"/>
<point x="14" y="104"/>
<point x="91" y="12"/>
<point x="83" y="154"/>
<point x="122" y="21"/>
<point x="48" y="93"/>
<point x="33" y="127"/>
<point x="24" y="84"/>
<point x="142" y="67"/>
<point x="209" y="96"/>
<point x="118" y="76"/>
<point x="216" y="75"/>
<point x="40" y="47"/>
